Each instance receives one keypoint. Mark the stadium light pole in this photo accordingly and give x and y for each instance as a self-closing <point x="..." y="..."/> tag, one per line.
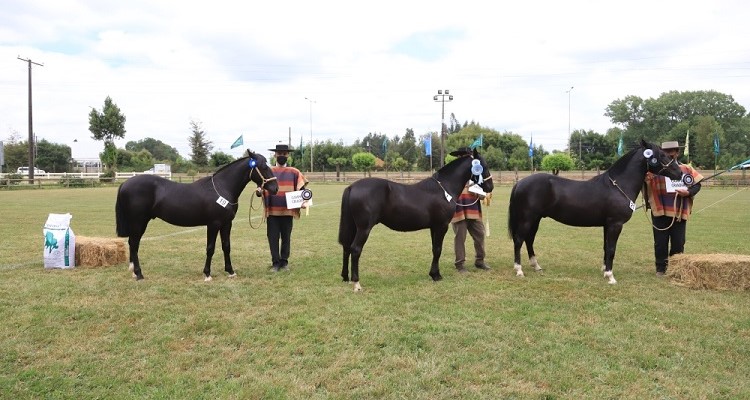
<point x="441" y="98"/>
<point x="311" y="137"/>
<point x="568" y="92"/>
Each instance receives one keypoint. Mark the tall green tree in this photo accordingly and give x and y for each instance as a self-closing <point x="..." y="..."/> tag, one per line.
<point x="107" y="125"/>
<point x="200" y="146"/>
<point x="363" y="161"/>
<point x="53" y="157"/>
<point x="159" y="150"/>
<point x="220" y="158"/>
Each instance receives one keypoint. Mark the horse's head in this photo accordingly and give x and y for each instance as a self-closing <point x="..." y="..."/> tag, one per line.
<point x="480" y="172"/>
<point x="659" y="162"/>
<point x="261" y="173"/>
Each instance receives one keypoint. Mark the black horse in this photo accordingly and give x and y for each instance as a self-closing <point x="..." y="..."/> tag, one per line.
<point x="210" y="201"/>
<point x="429" y="203"/>
<point x="606" y="200"/>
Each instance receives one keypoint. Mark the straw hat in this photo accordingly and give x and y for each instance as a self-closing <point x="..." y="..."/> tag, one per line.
<point x="673" y="144"/>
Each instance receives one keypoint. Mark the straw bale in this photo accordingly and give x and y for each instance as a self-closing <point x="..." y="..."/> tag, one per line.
<point x="99" y="252"/>
<point x="710" y="271"/>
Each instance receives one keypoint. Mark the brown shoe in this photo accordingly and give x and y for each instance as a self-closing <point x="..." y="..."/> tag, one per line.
<point x="461" y="269"/>
<point x="482" y="267"/>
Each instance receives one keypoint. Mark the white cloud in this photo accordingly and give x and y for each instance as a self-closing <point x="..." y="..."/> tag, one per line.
<point x="246" y="69"/>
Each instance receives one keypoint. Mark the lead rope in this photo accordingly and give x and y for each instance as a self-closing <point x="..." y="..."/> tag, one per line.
<point x="645" y="210"/>
<point x="250" y="210"/>
<point x="674" y="205"/>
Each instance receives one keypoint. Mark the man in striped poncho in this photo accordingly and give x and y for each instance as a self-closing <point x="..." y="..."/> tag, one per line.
<point x="468" y="218"/>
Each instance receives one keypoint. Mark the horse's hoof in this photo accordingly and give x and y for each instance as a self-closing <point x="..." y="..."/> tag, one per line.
<point x="437" y="278"/>
<point x="232" y="275"/>
<point x="138" y="278"/>
<point x="357" y="287"/>
<point x="208" y="279"/>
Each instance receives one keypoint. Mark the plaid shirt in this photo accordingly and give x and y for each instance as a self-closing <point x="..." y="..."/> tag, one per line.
<point x="662" y="202"/>
<point x="474" y="211"/>
<point x="289" y="179"/>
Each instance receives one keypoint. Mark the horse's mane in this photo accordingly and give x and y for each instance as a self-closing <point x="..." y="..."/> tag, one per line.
<point x="231" y="163"/>
<point x="622" y="162"/>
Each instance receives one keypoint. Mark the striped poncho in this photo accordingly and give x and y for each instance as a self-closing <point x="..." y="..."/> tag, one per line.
<point x="289" y="180"/>
<point x="664" y="203"/>
<point x="473" y="211"/>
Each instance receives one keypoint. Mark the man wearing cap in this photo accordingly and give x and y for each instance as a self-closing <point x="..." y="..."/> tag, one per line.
<point x="468" y="218"/>
<point x="671" y="203"/>
<point x="279" y="219"/>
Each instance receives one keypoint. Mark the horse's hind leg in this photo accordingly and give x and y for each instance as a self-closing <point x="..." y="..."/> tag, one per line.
<point x="356" y="251"/>
<point x="530" y="246"/>
<point x="345" y="262"/>
<point x="226" y="248"/>
<point x="134" y="244"/>
<point x="211" y="234"/>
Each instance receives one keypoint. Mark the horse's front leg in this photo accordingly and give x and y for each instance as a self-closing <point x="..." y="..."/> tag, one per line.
<point x="345" y="263"/>
<point x="211" y="233"/>
<point x="438" y="234"/>
<point x="611" y="234"/>
<point x="226" y="248"/>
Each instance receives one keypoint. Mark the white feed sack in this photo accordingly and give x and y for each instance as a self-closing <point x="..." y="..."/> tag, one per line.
<point x="59" y="242"/>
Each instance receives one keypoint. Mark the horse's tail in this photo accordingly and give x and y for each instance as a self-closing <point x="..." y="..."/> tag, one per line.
<point x="347" y="229"/>
<point x="121" y="216"/>
<point x="512" y="213"/>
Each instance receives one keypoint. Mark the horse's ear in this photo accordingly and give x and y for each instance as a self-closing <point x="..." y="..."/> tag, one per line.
<point x="476" y="153"/>
<point x="645" y="144"/>
<point x="247" y="153"/>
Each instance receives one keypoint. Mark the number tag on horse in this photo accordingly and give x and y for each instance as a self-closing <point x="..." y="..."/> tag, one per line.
<point x="448" y="197"/>
<point x="222" y="202"/>
<point x="632" y="206"/>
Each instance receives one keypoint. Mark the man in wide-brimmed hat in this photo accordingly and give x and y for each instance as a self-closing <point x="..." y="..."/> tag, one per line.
<point x="670" y="203"/>
<point x="279" y="218"/>
<point x="468" y="218"/>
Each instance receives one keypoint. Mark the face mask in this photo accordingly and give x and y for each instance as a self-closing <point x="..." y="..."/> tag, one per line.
<point x="281" y="160"/>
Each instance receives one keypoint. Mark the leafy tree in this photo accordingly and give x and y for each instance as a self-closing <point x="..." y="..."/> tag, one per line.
<point x="158" y="149"/>
<point x="220" y="158"/>
<point x="592" y="150"/>
<point x="401" y="165"/>
<point x="53" y="157"/>
<point x="16" y="154"/>
<point x="363" y="161"/>
<point x="107" y="126"/>
<point x="338" y="162"/>
<point x="556" y="162"/>
<point x="200" y="146"/>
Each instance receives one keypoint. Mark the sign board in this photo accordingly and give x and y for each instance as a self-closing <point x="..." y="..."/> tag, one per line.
<point x="296" y="198"/>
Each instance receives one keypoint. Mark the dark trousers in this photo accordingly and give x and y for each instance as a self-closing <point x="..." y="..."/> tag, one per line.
<point x="475" y="228"/>
<point x="279" y="228"/>
<point x="675" y="236"/>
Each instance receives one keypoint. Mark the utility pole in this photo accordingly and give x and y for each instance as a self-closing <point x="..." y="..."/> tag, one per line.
<point x="442" y="121"/>
<point x="31" y="124"/>
<point x="311" y="138"/>
<point x="568" y="92"/>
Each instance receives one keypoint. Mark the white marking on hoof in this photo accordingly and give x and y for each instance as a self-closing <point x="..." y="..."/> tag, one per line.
<point x="604" y="267"/>
<point x="535" y="264"/>
<point x="131" y="267"/>
<point x="608" y="275"/>
<point x="519" y="271"/>
<point x="234" y="275"/>
<point x="357" y="287"/>
<point x="208" y="279"/>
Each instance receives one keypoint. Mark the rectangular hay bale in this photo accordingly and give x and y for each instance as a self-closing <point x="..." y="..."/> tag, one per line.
<point x="100" y="252"/>
<point x="710" y="271"/>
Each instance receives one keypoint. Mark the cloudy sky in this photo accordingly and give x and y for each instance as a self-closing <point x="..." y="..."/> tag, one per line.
<point x="246" y="68"/>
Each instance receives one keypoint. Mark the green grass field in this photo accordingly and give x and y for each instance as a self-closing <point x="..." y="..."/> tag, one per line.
<point x="97" y="333"/>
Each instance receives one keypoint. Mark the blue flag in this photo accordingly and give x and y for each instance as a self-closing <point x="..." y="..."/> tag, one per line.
<point x="428" y="145"/>
<point x="478" y="142"/>
<point x="531" y="147"/>
<point x="385" y="146"/>
<point x="238" y="142"/>
<point x="716" y="143"/>
<point x="619" y="146"/>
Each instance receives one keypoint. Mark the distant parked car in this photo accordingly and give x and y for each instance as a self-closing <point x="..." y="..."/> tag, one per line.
<point x="25" y="171"/>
